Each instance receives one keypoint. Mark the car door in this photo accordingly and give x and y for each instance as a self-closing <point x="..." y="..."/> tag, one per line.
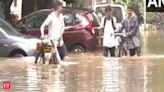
<point x="73" y="29"/>
<point x="4" y="46"/>
<point x="33" y="23"/>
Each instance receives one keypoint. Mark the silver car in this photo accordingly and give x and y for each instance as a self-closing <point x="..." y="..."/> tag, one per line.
<point x="14" y="44"/>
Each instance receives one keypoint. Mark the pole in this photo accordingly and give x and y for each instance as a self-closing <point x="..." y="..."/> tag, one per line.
<point x="144" y="15"/>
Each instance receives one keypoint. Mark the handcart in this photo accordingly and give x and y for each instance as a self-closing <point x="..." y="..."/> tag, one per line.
<point x="47" y="46"/>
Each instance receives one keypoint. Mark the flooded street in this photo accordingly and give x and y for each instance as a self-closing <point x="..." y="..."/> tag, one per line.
<point x="89" y="72"/>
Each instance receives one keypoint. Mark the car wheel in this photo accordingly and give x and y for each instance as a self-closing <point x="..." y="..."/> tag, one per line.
<point x="17" y="54"/>
<point x="78" y="49"/>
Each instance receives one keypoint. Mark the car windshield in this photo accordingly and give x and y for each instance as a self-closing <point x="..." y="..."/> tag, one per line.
<point x="8" y="29"/>
<point x="94" y="18"/>
<point x="117" y="12"/>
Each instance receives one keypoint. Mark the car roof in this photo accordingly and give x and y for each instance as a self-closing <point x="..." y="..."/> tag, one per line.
<point x="112" y="5"/>
<point x="65" y="9"/>
<point x="77" y="10"/>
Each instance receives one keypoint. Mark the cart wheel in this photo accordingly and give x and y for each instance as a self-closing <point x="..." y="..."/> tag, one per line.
<point x="43" y="57"/>
<point x="50" y="61"/>
<point x="36" y="58"/>
<point x="55" y="61"/>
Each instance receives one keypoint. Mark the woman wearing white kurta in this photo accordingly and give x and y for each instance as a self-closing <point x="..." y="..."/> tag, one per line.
<point x="107" y="23"/>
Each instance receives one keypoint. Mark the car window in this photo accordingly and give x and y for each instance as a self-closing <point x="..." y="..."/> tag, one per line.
<point x="117" y="12"/>
<point x="95" y="20"/>
<point x="19" y="24"/>
<point x="81" y="19"/>
<point x="78" y="18"/>
<point x="68" y="19"/>
<point x="35" y="21"/>
<point x="8" y="29"/>
<point x="71" y="19"/>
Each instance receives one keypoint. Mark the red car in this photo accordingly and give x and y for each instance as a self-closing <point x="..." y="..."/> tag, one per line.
<point x="78" y="35"/>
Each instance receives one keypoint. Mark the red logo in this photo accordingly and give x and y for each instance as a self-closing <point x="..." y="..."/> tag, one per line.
<point x="6" y="85"/>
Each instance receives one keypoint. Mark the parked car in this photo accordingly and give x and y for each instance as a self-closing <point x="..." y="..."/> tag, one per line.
<point x="13" y="43"/>
<point x="118" y="11"/>
<point x="79" y="34"/>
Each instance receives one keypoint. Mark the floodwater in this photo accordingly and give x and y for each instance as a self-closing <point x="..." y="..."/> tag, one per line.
<point x="89" y="72"/>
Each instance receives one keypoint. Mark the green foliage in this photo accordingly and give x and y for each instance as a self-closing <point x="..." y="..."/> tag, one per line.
<point x="6" y="8"/>
<point x="78" y="4"/>
<point x="149" y="18"/>
<point x="137" y="6"/>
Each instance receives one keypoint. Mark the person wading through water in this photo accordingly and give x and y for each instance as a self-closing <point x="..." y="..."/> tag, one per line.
<point x="131" y="26"/>
<point x="108" y="25"/>
<point x="55" y="24"/>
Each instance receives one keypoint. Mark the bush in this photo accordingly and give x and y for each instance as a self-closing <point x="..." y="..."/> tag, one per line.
<point x="78" y="4"/>
<point x="136" y="8"/>
<point x="149" y="18"/>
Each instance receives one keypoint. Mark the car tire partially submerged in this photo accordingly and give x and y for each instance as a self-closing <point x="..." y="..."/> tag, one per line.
<point x="78" y="49"/>
<point x="17" y="53"/>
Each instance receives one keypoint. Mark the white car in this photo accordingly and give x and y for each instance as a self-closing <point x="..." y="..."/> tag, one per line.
<point x="15" y="44"/>
<point x="118" y="11"/>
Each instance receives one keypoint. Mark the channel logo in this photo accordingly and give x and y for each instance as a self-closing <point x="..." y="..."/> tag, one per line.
<point x="154" y="5"/>
<point x="6" y="85"/>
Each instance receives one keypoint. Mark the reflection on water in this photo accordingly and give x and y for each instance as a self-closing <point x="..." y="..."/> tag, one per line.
<point x="152" y="42"/>
<point x="111" y="76"/>
<point x="92" y="73"/>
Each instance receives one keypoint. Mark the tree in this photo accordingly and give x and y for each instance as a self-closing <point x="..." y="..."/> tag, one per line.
<point x="78" y="4"/>
<point x="6" y="7"/>
<point x="137" y="6"/>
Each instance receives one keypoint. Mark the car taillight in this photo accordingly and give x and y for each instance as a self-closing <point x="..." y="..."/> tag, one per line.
<point x="90" y="26"/>
<point x="90" y="29"/>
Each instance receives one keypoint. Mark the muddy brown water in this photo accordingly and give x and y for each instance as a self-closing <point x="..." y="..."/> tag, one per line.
<point x="89" y="72"/>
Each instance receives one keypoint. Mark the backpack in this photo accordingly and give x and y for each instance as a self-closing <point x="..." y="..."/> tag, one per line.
<point x="105" y="19"/>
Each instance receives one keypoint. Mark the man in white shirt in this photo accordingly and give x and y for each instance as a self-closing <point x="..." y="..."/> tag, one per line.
<point x="55" y="24"/>
<point x="108" y="25"/>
